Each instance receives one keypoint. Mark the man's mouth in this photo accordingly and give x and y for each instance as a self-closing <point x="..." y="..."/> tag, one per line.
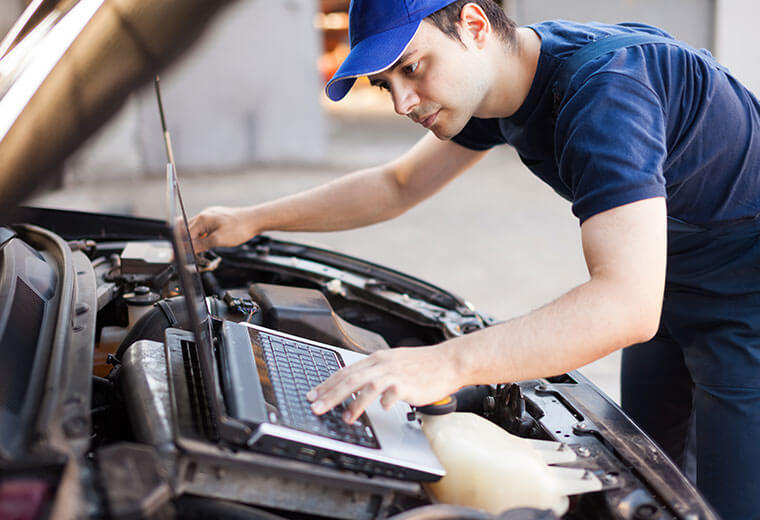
<point x="428" y="121"/>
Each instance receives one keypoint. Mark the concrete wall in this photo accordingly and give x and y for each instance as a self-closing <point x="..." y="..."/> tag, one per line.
<point x="689" y="20"/>
<point x="726" y="27"/>
<point x="247" y="93"/>
<point x="736" y="39"/>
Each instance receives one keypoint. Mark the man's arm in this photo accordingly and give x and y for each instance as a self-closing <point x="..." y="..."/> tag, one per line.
<point x="358" y="199"/>
<point x="625" y="250"/>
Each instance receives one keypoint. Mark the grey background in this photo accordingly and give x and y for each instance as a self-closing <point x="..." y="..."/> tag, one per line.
<point x="690" y="20"/>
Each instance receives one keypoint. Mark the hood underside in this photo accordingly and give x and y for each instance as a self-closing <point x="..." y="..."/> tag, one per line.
<point x="67" y="66"/>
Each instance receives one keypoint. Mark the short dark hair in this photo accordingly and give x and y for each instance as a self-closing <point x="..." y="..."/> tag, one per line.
<point x="447" y="19"/>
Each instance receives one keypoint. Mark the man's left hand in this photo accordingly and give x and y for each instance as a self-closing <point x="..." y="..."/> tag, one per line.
<point x="417" y="375"/>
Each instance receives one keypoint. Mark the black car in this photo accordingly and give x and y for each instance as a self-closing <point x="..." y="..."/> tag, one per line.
<point x="86" y="429"/>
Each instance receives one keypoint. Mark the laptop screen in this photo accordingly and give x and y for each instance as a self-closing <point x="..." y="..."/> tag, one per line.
<point x="189" y="274"/>
<point x="200" y="318"/>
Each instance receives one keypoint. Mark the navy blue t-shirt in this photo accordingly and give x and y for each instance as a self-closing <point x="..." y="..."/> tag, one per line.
<point x="644" y="121"/>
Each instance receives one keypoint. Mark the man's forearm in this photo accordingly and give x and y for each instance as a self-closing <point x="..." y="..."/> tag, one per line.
<point x="583" y="325"/>
<point x="358" y="199"/>
<point x="368" y="196"/>
<point x="549" y="341"/>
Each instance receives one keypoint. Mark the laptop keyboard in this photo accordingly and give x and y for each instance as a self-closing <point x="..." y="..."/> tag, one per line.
<point x="295" y="368"/>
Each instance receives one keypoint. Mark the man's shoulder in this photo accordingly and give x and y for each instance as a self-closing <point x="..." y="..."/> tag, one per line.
<point x="562" y="38"/>
<point x="660" y="66"/>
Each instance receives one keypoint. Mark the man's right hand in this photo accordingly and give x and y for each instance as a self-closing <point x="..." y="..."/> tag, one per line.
<point x="221" y="226"/>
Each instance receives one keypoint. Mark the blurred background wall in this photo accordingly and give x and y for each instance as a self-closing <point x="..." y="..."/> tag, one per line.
<point x="725" y="27"/>
<point x="736" y="39"/>
<point x="247" y="93"/>
<point x="689" y="20"/>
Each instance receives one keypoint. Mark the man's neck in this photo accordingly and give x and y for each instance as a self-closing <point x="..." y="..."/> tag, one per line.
<point x="513" y="75"/>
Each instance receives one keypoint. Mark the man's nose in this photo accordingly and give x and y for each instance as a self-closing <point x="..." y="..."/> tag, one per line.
<point x="404" y="100"/>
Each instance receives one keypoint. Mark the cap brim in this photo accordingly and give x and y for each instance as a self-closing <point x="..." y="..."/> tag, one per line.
<point x="370" y="56"/>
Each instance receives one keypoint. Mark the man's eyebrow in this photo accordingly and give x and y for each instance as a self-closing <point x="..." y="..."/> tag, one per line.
<point x="404" y="57"/>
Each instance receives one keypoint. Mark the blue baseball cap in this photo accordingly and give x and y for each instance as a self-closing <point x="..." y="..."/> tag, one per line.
<point x="379" y="31"/>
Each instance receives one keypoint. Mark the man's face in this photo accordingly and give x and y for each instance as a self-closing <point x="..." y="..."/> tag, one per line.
<point x="437" y="82"/>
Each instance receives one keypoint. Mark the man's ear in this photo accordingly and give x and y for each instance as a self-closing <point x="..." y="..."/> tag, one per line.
<point x="474" y="23"/>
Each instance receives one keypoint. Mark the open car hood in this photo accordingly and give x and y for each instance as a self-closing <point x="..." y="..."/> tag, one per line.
<point x="68" y="65"/>
<point x="80" y="405"/>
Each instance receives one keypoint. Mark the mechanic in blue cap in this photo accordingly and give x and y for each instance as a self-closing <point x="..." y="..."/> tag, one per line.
<point x="658" y="148"/>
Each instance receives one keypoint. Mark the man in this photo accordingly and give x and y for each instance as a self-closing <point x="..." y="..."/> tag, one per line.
<point x="658" y="148"/>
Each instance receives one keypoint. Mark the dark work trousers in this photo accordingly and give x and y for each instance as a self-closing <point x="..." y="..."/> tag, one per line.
<point x="704" y="363"/>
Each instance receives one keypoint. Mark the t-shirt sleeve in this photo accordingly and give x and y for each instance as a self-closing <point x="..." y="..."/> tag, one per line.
<point x="480" y="134"/>
<point x="610" y="143"/>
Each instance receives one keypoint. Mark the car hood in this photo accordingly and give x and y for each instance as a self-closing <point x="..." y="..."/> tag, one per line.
<point x="67" y="66"/>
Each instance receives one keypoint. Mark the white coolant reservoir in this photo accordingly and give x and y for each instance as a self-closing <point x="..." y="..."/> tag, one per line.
<point x="490" y="469"/>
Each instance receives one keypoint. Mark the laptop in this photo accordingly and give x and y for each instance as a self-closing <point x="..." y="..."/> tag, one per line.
<point x="255" y="382"/>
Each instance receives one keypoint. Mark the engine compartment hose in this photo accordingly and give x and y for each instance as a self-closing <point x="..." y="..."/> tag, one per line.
<point x="471" y="398"/>
<point x="170" y="312"/>
<point x="192" y="508"/>
<point x="211" y="284"/>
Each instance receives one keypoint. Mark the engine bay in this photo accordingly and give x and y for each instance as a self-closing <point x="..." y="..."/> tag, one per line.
<point x="87" y="424"/>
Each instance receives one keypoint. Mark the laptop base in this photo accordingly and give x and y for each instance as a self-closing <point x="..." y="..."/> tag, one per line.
<point x="203" y="467"/>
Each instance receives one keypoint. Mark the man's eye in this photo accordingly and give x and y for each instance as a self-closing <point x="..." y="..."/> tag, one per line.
<point x="383" y="86"/>
<point x="411" y="68"/>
